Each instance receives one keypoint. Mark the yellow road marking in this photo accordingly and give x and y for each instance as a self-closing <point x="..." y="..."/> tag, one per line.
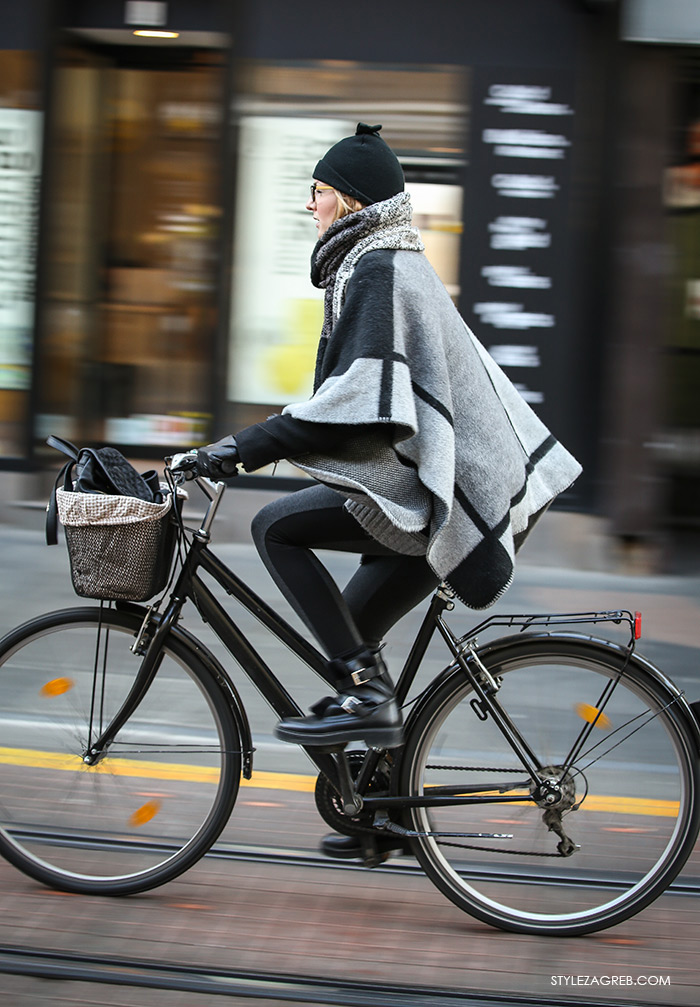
<point x="630" y="805"/>
<point x="298" y="782"/>
<point x="150" y="770"/>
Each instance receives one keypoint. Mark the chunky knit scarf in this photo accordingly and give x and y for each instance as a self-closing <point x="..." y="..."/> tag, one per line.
<point x="380" y="225"/>
<point x="450" y="461"/>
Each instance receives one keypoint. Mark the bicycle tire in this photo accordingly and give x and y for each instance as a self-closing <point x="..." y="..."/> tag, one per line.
<point x="629" y="802"/>
<point x="160" y="797"/>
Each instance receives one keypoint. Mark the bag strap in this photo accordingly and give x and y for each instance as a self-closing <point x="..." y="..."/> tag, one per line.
<point x="52" y="506"/>
<point x="64" y="446"/>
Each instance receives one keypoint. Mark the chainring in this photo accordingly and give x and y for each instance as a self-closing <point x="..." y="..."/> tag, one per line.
<point x="330" y="805"/>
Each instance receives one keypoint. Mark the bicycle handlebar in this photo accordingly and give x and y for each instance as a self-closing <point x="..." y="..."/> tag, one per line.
<point x="184" y="463"/>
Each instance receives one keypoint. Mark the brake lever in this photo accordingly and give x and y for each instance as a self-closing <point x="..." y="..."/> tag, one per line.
<point x="183" y="464"/>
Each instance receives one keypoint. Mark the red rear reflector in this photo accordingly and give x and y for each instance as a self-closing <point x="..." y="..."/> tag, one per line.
<point x="637" y="625"/>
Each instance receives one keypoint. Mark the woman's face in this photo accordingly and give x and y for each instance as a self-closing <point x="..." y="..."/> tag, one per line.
<point x="323" y="204"/>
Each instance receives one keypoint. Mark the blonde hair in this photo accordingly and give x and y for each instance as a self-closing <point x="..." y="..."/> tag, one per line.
<point x="345" y="205"/>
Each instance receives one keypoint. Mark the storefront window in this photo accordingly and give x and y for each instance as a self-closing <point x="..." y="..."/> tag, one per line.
<point x="21" y="125"/>
<point x="288" y="116"/>
<point x="680" y="443"/>
<point x="133" y="265"/>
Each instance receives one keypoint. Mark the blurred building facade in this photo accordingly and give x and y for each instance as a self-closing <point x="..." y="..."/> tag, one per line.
<point x="154" y="246"/>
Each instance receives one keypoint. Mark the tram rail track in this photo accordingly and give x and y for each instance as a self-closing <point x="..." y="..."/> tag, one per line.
<point x="104" y="970"/>
<point x="688" y="885"/>
<point x="257" y="985"/>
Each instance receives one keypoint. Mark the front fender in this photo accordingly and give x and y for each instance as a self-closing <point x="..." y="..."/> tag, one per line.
<point x="202" y="653"/>
<point x="236" y="703"/>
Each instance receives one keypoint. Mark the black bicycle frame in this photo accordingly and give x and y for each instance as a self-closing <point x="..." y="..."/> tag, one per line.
<point x="189" y="585"/>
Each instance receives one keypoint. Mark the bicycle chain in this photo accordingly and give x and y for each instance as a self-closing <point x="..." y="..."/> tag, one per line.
<point x="490" y="849"/>
<point x="480" y="769"/>
<point x="400" y="832"/>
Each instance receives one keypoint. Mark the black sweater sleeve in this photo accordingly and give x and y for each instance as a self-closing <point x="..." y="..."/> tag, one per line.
<point x="286" y="437"/>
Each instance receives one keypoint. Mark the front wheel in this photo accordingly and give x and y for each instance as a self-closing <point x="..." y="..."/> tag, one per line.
<point x="159" y="798"/>
<point x="618" y="814"/>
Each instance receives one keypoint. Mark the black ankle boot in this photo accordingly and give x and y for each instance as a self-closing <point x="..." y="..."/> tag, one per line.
<point x="352" y="848"/>
<point x="364" y="710"/>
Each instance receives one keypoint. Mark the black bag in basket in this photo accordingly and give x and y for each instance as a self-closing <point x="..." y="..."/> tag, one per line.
<point x="104" y="470"/>
<point x="119" y="525"/>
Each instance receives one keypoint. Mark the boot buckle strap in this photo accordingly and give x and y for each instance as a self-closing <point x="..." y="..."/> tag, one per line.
<point x="351" y="704"/>
<point x="361" y="677"/>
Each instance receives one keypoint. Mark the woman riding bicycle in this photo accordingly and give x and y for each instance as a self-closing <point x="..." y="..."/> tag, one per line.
<point x="427" y="461"/>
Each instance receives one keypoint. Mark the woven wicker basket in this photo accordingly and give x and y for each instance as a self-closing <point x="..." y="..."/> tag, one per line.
<point x="119" y="547"/>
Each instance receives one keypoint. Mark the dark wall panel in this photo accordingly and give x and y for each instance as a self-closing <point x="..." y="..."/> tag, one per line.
<point x="507" y="32"/>
<point x="22" y="25"/>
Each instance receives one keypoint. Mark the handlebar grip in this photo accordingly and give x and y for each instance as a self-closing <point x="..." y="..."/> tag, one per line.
<point x="184" y="462"/>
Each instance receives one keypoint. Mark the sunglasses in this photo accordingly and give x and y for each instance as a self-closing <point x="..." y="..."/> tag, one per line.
<point x="319" y="188"/>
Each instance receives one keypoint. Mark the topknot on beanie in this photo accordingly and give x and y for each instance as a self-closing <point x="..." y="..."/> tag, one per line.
<point x="362" y="128"/>
<point x="362" y="166"/>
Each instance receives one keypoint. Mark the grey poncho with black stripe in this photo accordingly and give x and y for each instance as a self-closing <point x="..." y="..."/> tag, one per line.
<point x="460" y="465"/>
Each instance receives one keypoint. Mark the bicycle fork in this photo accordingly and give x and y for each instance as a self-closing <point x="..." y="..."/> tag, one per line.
<point x="152" y="657"/>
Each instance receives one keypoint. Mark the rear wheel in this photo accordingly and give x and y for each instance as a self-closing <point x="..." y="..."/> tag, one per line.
<point x="617" y="815"/>
<point x="159" y="798"/>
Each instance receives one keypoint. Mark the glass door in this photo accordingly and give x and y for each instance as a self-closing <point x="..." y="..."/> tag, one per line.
<point x="129" y="319"/>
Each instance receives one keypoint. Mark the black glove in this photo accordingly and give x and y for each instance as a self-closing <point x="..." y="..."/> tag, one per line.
<point x="219" y="460"/>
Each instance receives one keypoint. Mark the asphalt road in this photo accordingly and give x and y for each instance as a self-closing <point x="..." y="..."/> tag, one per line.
<point x="328" y="922"/>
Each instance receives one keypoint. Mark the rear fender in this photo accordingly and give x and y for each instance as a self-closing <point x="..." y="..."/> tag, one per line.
<point x="491" y="654"/>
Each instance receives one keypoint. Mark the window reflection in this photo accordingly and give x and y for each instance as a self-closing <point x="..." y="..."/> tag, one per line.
<point x="133" y="266"/>
<point x="21" y="126"/>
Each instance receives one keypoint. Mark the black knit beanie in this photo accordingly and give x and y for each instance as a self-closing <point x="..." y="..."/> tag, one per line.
<point x="362" y="166"/>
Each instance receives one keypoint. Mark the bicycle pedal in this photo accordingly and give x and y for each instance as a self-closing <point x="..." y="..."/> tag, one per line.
<point x="374" y="854"/>
<point x="375" y="861"/>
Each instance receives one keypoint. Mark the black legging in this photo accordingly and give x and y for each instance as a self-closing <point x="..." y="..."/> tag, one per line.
<point x="385" y="586"/>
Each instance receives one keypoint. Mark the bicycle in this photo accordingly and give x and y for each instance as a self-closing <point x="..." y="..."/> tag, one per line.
<point x="548" y="783"/>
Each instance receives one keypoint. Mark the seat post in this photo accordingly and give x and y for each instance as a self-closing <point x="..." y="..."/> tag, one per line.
<point x="442" y="599"/>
